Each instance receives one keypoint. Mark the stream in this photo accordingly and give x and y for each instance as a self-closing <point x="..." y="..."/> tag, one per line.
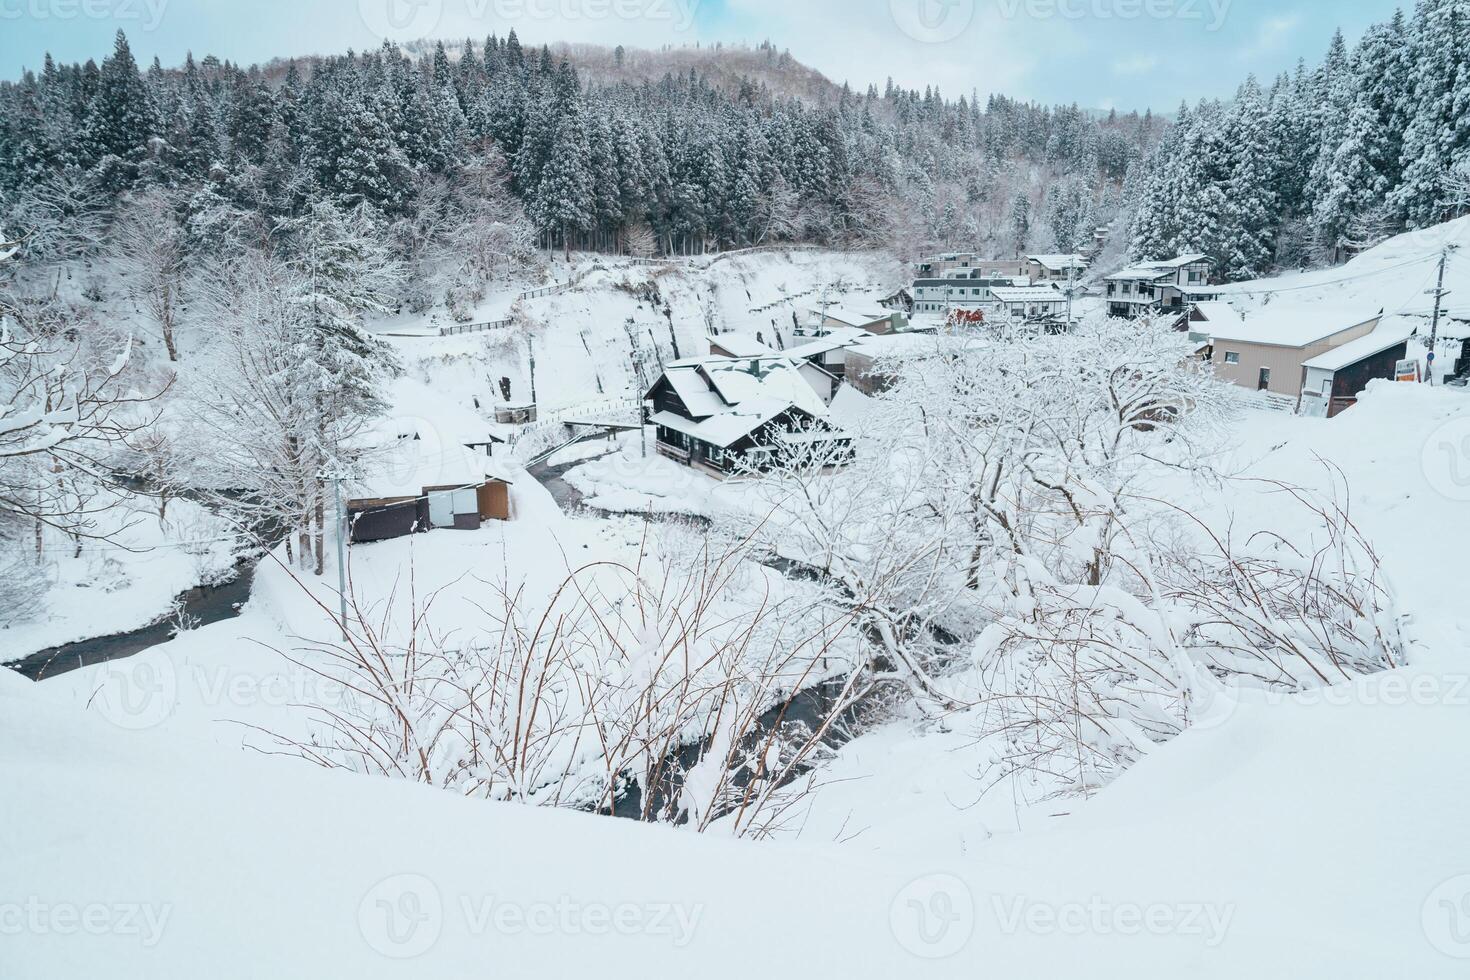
<point x="201" y="605"/>
<point x="204" y="605"/>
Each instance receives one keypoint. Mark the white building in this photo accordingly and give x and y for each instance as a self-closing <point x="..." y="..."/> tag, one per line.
<point x="1055" y="268"/>
<point x="1041" y="302"/>
<point x="1168" y="286"/>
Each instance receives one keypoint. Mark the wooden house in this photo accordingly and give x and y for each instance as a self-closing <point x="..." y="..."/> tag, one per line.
<point x="1336" y="378"/>
<point x="725" y="415"/>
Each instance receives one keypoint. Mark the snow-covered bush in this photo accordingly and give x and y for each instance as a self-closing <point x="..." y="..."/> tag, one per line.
<point x="641" y="689"/>
<point x="1002" y="551"/>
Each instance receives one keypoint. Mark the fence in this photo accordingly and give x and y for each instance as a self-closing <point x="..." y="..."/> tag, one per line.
<point x="552" y="289"/>
<point x="454" y="330"/>
<point x="550" y="431"/>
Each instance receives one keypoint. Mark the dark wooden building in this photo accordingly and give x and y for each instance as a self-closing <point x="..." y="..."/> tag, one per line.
<point x="725" y="415"/>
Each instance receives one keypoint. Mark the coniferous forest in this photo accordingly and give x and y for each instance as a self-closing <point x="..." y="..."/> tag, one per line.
<point x="433" y="143"/>
<point x="436" y="137"/>
<point x="1330" y="160"/>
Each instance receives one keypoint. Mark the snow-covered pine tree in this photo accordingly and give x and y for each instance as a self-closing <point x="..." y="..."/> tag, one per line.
<point x="1438" y="132"/>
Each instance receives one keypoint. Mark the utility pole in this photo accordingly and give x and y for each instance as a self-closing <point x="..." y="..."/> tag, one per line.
<point x="1071" y="273"/>
<point x="1439" y="293"/>
<point x="336" y="479"/>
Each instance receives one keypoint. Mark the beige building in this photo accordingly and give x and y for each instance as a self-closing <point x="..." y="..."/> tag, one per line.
<point x="1268" y="350"/>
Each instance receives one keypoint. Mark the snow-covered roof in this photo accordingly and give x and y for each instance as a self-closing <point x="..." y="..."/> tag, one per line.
<point x="693" y="390"/>
<point x="403" y="464"/>
<point x="741" y="380"/>
<point x="1179" y="261"/>
<point x="1159" y="269"/>
<point x="1387" y="335"/>
<point x="1027" y="294"/>
<point x="1393" y="276"/>
<point x="889" y="345"/>
<point x="1219" y="314"/>
<point x="1290" y="327"/>
<point x="737" y="395"/>
<point x="1058" y="263"/>
<point x="855" y="317"/>
<point x="821" y="345"/>
<point x="740" y="345"/>
<point x="422" y="406"/>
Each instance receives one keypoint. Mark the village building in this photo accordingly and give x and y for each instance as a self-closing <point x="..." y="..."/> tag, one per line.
<point x="871" y="320"/>
<point x="1055" y="268"/>
<point x="413" y="483"/>
<point x="829" y="352"/>
<point x="1031" y="303"/>
<point x="1335" y="379"/>
<point x="739" y="345"/>
<point x="950" y="265"/>
<point x="724" y="415"/>
<point x="1167" y="286"/>
<point x="1269" y="350"/>
<point x="865" y="372"/>
<point x="966" y="291"/>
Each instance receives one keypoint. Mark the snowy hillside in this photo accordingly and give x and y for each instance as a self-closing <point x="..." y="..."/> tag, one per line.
<point x="1318" y="837"/>
<point x="591" y="341"/>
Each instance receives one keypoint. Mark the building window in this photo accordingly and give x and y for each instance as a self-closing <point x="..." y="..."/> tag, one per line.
<point x="1232" y="357"/>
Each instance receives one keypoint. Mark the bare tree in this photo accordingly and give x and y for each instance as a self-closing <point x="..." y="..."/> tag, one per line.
<point x="652" y="689"/>
<point x="150" y="246"/>
<point x="66" y="413"/>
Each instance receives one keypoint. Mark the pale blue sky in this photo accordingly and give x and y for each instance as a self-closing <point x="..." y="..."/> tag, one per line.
<point x="1104" y="53"/>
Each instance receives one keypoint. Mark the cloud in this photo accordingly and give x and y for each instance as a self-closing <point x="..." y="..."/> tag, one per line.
<point x="1272" y="35"/>
<point x="1140" y="64"/>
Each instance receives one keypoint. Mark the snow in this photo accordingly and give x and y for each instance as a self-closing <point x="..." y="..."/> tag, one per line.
<point x="100" y="588"/>
<point x="740" y="345"/>
<point x="1310" y="837"/>
<point x="700" y="400"/>
<point x="856" y="317"/>
<point x="629" y="482"/>
<point x="1387" y="335"/>
<point x="1392" y="277"/>
<point x="1155" y="270"/>
<point x="1027" y="294"/>
<point x="1059" y="263"/>
<point x="1318" y="836"/>
<point x="1294" y="327"/>
<point x="1221" y="313"/>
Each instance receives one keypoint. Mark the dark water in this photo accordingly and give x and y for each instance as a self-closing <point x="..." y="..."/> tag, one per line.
<point x="808" y="711"/>
<point x="203" y="605"/>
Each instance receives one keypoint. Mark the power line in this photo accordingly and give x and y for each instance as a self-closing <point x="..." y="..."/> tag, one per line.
<point x="1332" y="282"/>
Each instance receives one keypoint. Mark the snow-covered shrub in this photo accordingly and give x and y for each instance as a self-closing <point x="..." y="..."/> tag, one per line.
<point x="999" y="542"/>
<point x="637" y="688"/>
